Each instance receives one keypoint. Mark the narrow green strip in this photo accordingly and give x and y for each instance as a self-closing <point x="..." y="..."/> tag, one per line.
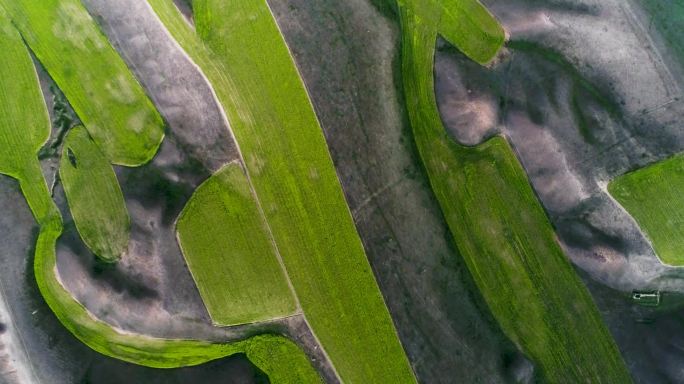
<point x="504" y="236"/>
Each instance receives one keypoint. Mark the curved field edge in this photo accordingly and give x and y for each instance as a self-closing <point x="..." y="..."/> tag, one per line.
<point x="95" y="199"/>
<point x="653" y="196"/>
<point x="110" y="102"/>
<point x="277" y="356"/>
<point x="244" y="56"/>
<point x="503" y="233"/>
<point x="230" y="254"/>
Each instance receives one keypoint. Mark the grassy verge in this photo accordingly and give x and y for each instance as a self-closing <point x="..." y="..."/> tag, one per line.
<point x="103" y="92"/>
<point x="653" y="196"/>
<point x="295" y="181"/>
<point x="95" y="198"/>
<point x="230" y="253"/>
<point x="501" y="230"/>
<point x="24" y="127"/>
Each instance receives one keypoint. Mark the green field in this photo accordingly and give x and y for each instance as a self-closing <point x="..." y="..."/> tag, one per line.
<point x="103" y="92"/>
<point x="95" y="198"/>
<point x="652" y="195"/>
<point x="666" y="18"/>
<point x="230" y="253"/>
<point x="499" y="227"/>
<point x="24" y="127"/>
<point x="295" y="181"/>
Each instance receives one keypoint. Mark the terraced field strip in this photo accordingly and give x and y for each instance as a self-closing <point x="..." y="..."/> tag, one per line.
<point x="285" y="153"/>
<point x="230" y="253"/>
<point x="653" y="196"/>
<point x="103" y="92"/>
<point x="499" y="226"/>
<point x="95" y="198"/>
<point x="24" y="127"/>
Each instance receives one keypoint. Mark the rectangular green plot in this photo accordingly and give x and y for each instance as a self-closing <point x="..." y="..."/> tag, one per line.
<point x="230" y="254"/>
<point x="653" y="196"/>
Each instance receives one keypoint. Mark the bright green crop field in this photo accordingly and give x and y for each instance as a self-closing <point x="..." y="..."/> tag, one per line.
<point x="243" y="54"/>
<point x="653" y="196"/>
<point x="499" y="226"/>
<point x="103" y="92"/>
<point x="23" y="111"/>
<point x="95" y="198"/>
<point x="230" y="253"/>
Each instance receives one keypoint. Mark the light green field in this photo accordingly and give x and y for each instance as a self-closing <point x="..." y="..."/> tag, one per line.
<point x="653" y="196"/>
<point x="24" y="126"/>
<point x="230" y="253"/>
<point x="95" y="199"/>
<point x="103" y="92"/>
<point x="500" y="228"/>
<point x="295" y="181"/>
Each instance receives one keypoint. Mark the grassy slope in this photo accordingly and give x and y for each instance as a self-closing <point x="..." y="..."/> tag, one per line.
<point x="230" y="253"/>
<point x="653" y="196"/>
<point x="112" y="105"/>
<point x="23" y="111"/>
<point x="95" y="198"/>
<point x="295" y="180"/>
<point x="503" y="233"/>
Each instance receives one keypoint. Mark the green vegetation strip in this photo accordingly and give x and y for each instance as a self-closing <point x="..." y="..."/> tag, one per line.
<point x="653" y="196"/>
<point x="287" y="159"/>
<point x="112" y="105"/>
<point x="24" y="126"/>
<point x="95" y="198"/>
<point x="230" y="253"/>
<point x="24" y="121"/>
<point x="500" y="228"/>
